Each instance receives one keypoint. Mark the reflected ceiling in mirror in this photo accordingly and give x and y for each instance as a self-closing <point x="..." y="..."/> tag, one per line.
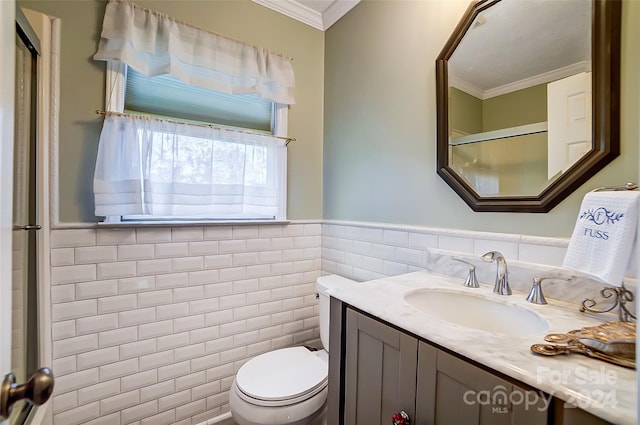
<point x="517" y="44"/>
<point x="524" y="87"/>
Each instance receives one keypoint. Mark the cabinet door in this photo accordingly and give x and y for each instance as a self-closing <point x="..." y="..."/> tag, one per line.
<point x="380" y="371"/>
<point x="454" y="392"/>
<point x="567" y="414"/>
<point x="468" y="395"/>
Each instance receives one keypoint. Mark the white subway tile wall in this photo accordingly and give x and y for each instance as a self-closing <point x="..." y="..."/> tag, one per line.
<point x="151" y="324"/>
<point x="365" y="251"/>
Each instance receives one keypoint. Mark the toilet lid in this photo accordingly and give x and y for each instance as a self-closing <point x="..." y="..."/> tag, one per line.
<point x="282" y="374"/>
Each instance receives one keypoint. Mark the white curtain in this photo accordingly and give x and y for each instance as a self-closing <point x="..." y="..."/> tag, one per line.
<point x="154" y="44"/>
<point x="164" y="168"/>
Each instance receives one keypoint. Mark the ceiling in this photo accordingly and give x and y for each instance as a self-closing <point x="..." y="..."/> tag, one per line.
<point x="543" y="41"/>
<point x="516" y="44"/>
<point x="320" y="14"/>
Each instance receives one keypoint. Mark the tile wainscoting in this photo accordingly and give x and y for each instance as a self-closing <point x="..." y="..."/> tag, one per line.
<point x="149" y="325"/>
<point x="366" y="251"/>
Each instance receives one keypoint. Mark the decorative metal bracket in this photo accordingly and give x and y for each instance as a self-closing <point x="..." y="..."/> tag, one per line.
<point x="621" y="296"/>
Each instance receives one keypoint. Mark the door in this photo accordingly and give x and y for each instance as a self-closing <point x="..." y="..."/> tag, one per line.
<point x="380" y="371"/>
<point x="7" y="71"/>
<point x="21" y="378"/>
<point x="7" y="35"/>
<point x="466" y="395"/>
<point x="569" y="122"/>
<point x="451" y="391"/>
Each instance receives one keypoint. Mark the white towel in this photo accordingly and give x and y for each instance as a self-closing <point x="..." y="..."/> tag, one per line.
<point x="604" y="239"/>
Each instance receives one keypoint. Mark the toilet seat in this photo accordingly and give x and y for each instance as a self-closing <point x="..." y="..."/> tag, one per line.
<point x="282" y="377"/>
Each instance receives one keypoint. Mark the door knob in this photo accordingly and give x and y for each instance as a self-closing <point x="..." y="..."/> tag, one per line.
<point x="400" y="418"/>
<point x="36" y="390"/>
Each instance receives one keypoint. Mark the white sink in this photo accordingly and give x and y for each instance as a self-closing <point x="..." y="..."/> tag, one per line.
<point x="478" y="312"/>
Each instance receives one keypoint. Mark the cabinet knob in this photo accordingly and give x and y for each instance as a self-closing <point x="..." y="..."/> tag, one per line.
<point x="400" y="418"/>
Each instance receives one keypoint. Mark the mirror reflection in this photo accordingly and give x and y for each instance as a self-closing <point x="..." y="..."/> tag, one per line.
<point x="519" y="89"/>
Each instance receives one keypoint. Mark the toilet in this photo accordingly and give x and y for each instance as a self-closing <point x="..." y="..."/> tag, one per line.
<point x="287" y="386"/>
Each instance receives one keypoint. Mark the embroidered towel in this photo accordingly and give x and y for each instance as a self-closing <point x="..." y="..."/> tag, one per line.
<point x="603" y="241"/>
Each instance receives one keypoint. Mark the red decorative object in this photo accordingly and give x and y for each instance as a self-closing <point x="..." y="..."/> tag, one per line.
<point x="400" y="418"/>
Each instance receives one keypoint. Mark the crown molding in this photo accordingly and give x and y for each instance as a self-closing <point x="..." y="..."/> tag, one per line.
<point x="307" y="15"/>
<point x="296" y="11"/>
<point x="535" y="80"/>
<point x="337" y="10"/>
<point x="465" y="86"/>
<point x="546" y="77"/>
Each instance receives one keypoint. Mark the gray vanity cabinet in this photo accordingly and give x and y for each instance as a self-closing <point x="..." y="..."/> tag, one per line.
<point x="376" y="370"/>
<point x="380" y="371"/>
<point x="387" y="370"/>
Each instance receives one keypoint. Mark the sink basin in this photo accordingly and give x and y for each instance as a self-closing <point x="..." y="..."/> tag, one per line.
<point x="473" y="311"/>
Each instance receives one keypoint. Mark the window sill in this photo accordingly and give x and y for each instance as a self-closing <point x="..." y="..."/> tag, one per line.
<point x="178" y="223"/>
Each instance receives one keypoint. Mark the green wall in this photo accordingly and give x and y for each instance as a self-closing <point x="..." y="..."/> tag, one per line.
<point x="380" y="122"/>
<point x="366" y="87"/>
<point x="526" y="106"/>
<point x="82" y="90"/>
<point x="465" y="112"/>
<point x="472" y="115"/>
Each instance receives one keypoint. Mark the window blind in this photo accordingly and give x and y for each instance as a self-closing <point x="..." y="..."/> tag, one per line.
<point x="166" y="95"/>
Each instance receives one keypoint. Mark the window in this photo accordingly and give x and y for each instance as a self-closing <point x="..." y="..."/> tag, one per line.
<point x="213" y="174"/>
<point x="209" y="150"/>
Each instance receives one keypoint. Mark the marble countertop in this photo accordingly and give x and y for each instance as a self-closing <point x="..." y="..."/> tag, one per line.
<point x="605" y="390"/>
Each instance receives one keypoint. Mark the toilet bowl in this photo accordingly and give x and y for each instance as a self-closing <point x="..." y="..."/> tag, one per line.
<point x="286" y="386"/>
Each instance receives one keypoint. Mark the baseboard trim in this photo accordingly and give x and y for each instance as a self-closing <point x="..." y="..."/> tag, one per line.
<point x="224" y="419"/>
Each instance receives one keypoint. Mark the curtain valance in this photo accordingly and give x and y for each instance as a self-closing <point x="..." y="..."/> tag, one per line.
<point x="154" y="44"/>
<point x="164" y="168"/>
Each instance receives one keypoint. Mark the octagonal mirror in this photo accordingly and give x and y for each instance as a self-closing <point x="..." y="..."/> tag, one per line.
<point x="528" y="101"/>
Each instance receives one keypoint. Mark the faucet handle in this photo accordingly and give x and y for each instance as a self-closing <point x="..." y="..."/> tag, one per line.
<point x="536" y="296"/>
<point x="471" y="281"/>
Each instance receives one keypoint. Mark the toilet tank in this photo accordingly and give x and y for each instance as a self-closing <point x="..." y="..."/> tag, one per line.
<point x="325" y="285"/>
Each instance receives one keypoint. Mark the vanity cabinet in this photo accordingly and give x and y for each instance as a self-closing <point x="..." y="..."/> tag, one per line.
<point x="376" y="370"/>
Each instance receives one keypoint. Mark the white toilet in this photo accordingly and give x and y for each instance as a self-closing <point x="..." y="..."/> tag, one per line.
<point x="286" y="386"/>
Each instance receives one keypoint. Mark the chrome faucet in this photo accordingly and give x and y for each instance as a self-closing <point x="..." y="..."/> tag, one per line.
<point x="502" y="274"/>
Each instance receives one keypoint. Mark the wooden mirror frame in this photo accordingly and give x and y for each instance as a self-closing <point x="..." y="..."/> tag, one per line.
<point x="605" y="53"/>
